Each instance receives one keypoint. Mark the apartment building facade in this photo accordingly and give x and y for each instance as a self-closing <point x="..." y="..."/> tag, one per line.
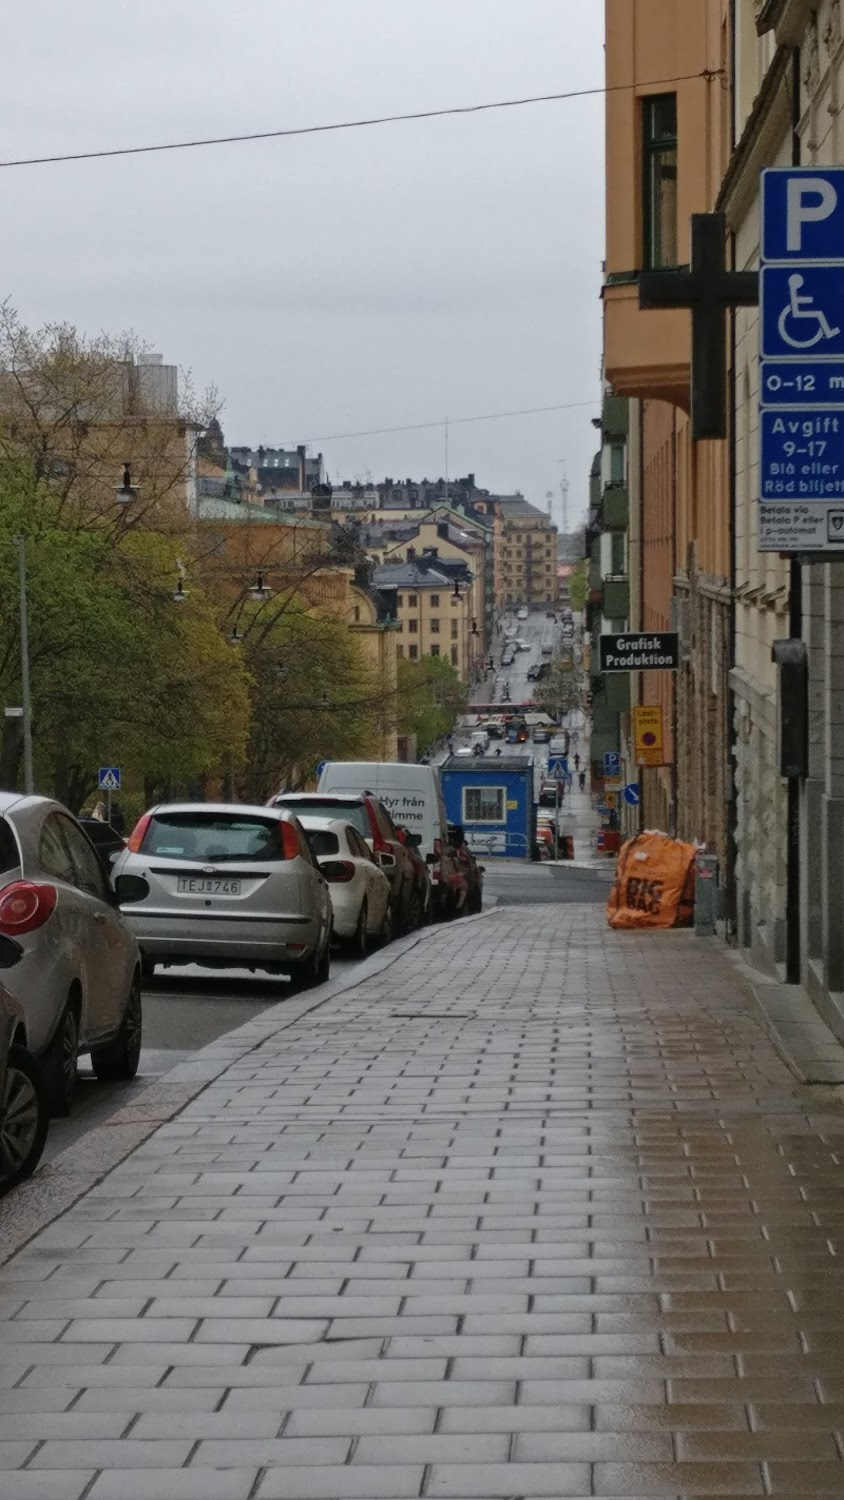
<point x="667" y="142"/>
<point x="432" y="606"/>
<point x="528" y="552"/>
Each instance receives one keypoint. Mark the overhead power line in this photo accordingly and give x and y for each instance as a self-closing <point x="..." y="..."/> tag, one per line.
<point x="275" y="135"/>
<point x="490" y="416"/>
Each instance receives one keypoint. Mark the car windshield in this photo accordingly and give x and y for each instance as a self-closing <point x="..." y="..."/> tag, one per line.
<point x="323" y="842"/>
<point x="213" y="837"/>
<point x="330" y="807"/>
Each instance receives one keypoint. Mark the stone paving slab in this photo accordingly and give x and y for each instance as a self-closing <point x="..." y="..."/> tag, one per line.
<point x="534" y="1210"/>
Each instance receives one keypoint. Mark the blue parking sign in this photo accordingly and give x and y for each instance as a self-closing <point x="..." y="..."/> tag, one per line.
<point x="612" y="762"/>
<point x="803" y="214"/>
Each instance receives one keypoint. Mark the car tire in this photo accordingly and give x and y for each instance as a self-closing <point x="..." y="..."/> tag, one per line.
<point x="359" y="943"/>
<point x="147" y="968"/>
<point x="415" y="910"/>
<point x="24" y="1117"/>
<point x="60" y="1062"/>
<point x="323" y="973"/>
<point x="385" y="936"/>
<point x="119" y="1060"/>
<point x="475" y="904"/>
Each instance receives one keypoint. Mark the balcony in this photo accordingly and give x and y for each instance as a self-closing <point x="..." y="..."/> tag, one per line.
<point x="615" y="418"/>
<point x="646" y="353"/>
<point x="616" y="598"/>
<point x="615" y="508"/>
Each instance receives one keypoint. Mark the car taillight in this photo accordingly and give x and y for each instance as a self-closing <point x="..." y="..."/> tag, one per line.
<point x="138" y="833"/>
<point x="338" y="869"/>
<point x="379" y="843"/>
<point x="289" y="841"/>
<point x="25" y="905"/>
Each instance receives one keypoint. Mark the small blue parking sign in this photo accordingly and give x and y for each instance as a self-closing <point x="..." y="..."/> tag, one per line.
<point x="631" y="794"/>
<point x="109" y="779"/>
<point x="612" y="762"/>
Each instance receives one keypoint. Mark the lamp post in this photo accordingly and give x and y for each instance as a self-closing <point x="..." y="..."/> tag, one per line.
<point x="26" y="697"/>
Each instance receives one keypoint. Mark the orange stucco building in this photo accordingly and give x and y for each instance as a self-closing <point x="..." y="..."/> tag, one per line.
<point x="667" y="143"/>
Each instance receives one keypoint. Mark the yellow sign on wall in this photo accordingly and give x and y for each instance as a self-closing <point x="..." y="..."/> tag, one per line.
<point x="648" y="736"/>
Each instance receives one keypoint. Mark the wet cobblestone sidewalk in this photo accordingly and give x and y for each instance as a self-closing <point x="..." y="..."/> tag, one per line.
<point x="536" y="1211"/>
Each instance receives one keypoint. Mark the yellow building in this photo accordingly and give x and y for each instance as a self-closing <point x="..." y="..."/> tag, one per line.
<point x="433" y="610"/>
<point x="527" y="543"/>
<point x="378" y="638"/>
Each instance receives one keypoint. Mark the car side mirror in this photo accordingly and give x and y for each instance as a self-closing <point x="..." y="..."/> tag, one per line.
<point x="458" y="837"/>
<point x="430" y="859"/>
<point x="10" y="952"/>
<point x="130" y="888"/>
<point x="414" y="840"/>
<point x="386" y="861"/>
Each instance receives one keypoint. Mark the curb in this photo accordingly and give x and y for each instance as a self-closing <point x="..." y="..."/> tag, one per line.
<point x="28" y="1208"/>
<point x="800" y="1036"/>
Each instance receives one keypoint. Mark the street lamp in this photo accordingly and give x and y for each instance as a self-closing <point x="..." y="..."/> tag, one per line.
<point x="26" y="696"/>
<point x="259" y="590"/>
<point x="127" y="493"/>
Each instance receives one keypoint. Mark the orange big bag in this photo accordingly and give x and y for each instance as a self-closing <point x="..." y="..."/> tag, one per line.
<point x="653" y="878"/>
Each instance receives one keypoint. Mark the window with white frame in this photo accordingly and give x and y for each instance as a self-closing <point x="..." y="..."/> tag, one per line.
<point x="484" y="804"/>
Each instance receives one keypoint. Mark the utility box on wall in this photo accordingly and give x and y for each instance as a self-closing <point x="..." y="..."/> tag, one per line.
<point x="491" y="797"/>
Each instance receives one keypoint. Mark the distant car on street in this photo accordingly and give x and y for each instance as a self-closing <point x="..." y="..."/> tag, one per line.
<point x="522" y="615"/>
<point x="78" y="977"/>
<point x="360" y="894"/>
<point x="228" y="885"/>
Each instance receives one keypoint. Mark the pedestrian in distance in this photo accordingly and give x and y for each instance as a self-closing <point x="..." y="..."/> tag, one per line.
<point x="577" y="761"/>
<point x="581" y="781"/>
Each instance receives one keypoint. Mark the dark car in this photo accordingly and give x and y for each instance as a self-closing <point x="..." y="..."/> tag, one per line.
<point x="105" y="839"/>
<point x="371" y="819"/>
<point x="425" y="889"/>
<point x="472" y="872"/>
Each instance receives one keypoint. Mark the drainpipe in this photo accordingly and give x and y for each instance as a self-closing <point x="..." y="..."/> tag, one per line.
<point x="793" y="964"/>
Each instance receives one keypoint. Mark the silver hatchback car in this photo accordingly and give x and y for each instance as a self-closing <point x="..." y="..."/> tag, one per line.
<point x="78" y="978"/>
<point x="226" y="885"/>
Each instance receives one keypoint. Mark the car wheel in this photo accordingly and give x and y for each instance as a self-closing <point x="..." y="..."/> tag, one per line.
<point x="60" y="1062"/>
<point x="385" y="936"/>
<point x="147" y="968"/>
<point x="24" y="1117"/>
<point x="119" y="1060"/>
<point x="475" y="904"/>
<point x="323" y="972"/>
<point x="360" y="942"/>
<point x="415" y="911"/>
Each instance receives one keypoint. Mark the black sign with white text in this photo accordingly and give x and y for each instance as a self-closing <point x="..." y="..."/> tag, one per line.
<point x="639" y="653"/>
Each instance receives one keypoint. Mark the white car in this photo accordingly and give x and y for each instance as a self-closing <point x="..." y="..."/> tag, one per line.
<point x="227" y="885"/>
<point x="359" y="889"/>
<point x="78" y="977"/>
<point x="522" y="615"/>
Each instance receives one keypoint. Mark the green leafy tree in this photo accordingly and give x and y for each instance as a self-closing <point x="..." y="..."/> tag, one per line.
<point x="120" y="673"/>
<point x="578" y="584"/>
<point x="312" y="697"/>
<point x="430" y="699"/>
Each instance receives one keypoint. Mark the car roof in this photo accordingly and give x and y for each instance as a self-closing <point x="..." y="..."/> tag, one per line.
<point x="330" y="825"/>
<point x="18" y="802"/>
<point x="342" y="798"/>
<point x="233" y="808"/>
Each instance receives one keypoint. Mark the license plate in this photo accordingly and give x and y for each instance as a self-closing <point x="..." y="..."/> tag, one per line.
<point x="189" y="885"/>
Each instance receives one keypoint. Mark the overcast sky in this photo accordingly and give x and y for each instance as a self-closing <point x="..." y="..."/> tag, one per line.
<point x="330" y="284"/>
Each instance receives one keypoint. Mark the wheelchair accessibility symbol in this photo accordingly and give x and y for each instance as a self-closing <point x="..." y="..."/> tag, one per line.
<point x="801" y="325"/>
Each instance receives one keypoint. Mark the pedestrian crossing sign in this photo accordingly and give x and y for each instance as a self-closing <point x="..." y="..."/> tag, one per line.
<point x="109" y="779"/>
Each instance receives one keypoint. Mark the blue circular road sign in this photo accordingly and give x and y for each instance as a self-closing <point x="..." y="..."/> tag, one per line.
<point x="631" y="794"/>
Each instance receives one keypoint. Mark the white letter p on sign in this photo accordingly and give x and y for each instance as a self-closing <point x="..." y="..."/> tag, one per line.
<point x="809" y="201"/>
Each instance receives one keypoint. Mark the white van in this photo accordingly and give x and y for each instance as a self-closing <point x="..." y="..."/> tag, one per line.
<point x="411" y="794"/>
